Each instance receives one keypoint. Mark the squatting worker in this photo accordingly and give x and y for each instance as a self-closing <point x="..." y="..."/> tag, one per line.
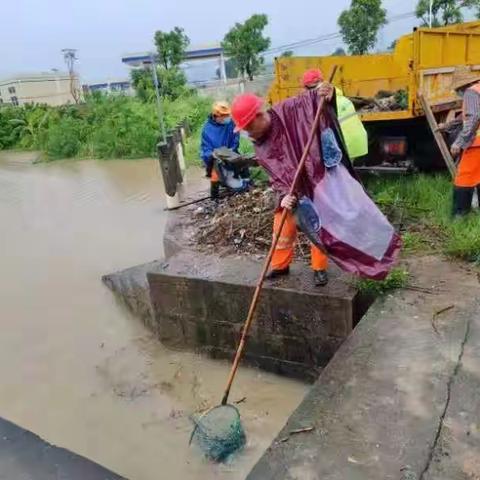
<point x="354" y="133"/>
<point x="263" y="127"/>
<point x="467" y="144"/>
<point x="217" y="132"/>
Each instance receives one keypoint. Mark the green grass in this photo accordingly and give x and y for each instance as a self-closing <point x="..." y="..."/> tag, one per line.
<point x="192" y="149"/>
<point x="397" y="278"/>
<point x="422" y="204"/>
<point x="414" y="242"/>
<point x="463" y="238"/>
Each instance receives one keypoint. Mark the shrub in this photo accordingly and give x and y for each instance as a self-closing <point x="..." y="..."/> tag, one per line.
<point x="64" y="139"/>
<point x="105" y="126"/>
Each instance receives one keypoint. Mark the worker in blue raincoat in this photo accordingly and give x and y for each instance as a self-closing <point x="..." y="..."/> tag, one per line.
<point x="217" y="132"/>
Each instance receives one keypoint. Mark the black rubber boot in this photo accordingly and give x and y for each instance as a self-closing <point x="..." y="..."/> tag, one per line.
<point x="320" y="278"/>
<point x="462" y="200"/>
<point x="208" y="170"/>
<point x="215" y="190"/>
<point x="272" y="274"/>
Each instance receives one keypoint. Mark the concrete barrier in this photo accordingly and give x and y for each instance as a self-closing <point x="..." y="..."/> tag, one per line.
<point x="24" y="456"/>
<point x="400" y="398"/>
<point x="200" y="304"/>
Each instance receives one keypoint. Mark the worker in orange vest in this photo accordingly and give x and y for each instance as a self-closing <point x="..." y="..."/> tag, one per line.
<point x="467" y="144"/>
<point x="284" y="252"/>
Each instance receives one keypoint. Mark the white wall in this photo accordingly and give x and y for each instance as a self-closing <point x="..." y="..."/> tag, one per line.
<point x="50" y="90"/>
<point x="220" y="91"/>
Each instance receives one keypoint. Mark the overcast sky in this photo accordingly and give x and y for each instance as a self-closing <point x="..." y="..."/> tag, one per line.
<point x="33" y="32"/>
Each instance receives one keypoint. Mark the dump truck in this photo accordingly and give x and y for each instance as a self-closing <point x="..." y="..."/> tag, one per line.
<point x="386" y="90"/>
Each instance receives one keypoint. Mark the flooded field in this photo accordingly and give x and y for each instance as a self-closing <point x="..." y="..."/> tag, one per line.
<point x="75" y="368"/>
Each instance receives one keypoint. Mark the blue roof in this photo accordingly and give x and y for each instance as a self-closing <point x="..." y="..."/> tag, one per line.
<point x="98" y="85"/>
<point x="140" y="58"/>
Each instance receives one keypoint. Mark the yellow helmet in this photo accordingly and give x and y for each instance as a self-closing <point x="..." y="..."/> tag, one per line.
<point x="220" y="108"/>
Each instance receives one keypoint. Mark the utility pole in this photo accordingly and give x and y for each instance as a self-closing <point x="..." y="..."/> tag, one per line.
<point x="430" y="8"/>
<point x="70" y="57"/>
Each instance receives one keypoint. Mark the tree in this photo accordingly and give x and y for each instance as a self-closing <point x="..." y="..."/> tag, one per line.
<point x="339" y="52"/>
<point x="444" y="12"/>
<point x="142" y="83"/>
<point x="287" y="53"/>
<point x="172" y="83"/>
<point x="245" y="42"/>
<point x="359" y="25"/>
<point x="171" y="47"/>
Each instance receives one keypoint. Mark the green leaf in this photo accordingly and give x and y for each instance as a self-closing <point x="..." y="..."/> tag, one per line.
<point x="245" y="42"/>
<point x="359" y="25"/>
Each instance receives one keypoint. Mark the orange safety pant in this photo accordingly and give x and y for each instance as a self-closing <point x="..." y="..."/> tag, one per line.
<point x="214" y="178"/>
<point x="468" y="171"/>
<point x="283" y="254"/>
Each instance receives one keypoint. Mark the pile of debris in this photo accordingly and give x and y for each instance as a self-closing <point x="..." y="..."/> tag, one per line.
<point x="240" y="224"/>
<point x="383" y="101"/>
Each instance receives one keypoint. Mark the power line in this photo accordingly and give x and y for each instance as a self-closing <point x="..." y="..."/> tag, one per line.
<point x="307" y="42"/>
<point x="329" y="36"/>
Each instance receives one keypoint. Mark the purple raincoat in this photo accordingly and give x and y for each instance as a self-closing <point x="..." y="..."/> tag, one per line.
<point x="354" y="232"/>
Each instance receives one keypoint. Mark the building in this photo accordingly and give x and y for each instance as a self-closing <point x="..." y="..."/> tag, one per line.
<point x="52" y="88"/>
<point x="111" y="86"/>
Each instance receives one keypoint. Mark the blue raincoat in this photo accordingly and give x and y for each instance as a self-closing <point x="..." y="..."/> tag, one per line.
<point x="216" y="135"/>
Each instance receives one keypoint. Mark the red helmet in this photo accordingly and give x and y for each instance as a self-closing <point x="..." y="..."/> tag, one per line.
<point x="244" y="109"/>
<point x="312" y="77"/>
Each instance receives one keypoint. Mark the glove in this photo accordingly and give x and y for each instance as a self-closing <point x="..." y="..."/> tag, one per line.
<point x="288" y="202"/>
<point x="455" y="150"/>
<point x="326" y="90"/>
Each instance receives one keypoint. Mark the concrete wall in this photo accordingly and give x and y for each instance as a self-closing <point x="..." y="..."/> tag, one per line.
<point x="199" y="302"/>
<point x="297" y="327"/>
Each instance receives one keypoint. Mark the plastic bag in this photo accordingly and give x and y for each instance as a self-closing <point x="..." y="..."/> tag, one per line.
<point x="331" y="153"/>
<point x="307" y="218"/>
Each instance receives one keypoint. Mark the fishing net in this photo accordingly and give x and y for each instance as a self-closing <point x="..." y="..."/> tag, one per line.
<point x="219" y="432"/>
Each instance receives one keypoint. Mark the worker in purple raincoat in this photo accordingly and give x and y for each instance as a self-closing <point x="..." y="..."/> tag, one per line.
<point x="349" y="227"/>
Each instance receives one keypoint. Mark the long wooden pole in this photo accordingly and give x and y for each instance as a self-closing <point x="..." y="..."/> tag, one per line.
<point x="437" y="135"/>
<point x="258" y="289"/>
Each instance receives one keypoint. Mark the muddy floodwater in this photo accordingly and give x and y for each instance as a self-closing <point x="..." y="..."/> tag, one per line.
<point x="75" y="367"/>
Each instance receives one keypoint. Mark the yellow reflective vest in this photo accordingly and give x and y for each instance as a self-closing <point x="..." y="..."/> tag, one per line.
<point x="354" y="132"/>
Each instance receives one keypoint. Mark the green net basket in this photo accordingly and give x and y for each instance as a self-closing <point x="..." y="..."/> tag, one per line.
<point x="219" y="432"/>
